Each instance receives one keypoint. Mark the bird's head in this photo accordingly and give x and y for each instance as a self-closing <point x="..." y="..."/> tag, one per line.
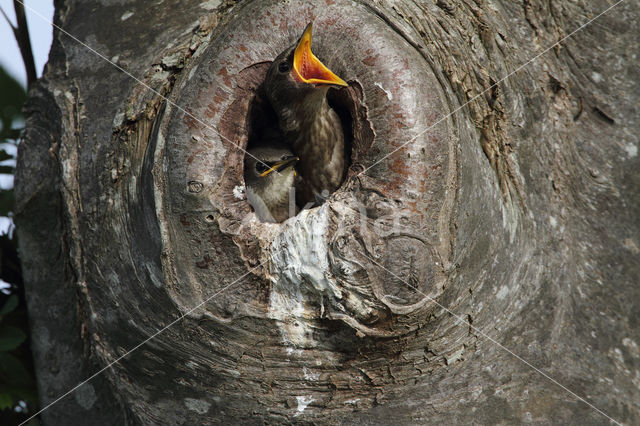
<point x="297" y="73"/>
<point x="269" y="172"/>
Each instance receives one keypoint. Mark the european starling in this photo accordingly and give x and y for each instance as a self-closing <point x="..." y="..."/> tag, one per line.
<point x="269" y="181"/>
<point x="296" y="86"/>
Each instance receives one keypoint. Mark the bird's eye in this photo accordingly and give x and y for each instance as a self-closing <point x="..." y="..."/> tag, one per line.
<point x="261" y="167"/>
<point x="284" y="66"/>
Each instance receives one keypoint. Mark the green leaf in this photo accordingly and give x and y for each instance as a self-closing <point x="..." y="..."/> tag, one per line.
<point x="7" y="134"/>
<point x="15" y="394"/>
<point x="6" y="202"/>
<point x="13" y="96"/>
<point x="10" y="338"/>
<point x="13" y="373"/>
<point x="6" y="401"/>
<point x="10" y="305"/>
<point x="4" y="155"/>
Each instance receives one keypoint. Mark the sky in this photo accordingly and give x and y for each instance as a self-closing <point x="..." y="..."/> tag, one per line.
<point x="41" y="33"/>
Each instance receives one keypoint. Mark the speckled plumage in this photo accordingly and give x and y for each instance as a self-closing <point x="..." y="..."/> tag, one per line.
<point x="269" y="195"/>
<point x="311" y="127"/>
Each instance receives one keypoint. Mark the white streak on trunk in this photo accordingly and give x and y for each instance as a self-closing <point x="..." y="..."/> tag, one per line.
<point x="303" y="403"/>
<point x="299" y="271"/>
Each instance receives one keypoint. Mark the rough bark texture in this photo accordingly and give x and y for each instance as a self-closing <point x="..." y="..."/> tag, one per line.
<point x="512" y="219"/>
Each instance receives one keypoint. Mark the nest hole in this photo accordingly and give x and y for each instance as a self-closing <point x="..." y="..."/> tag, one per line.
<point x="262" y="124"/>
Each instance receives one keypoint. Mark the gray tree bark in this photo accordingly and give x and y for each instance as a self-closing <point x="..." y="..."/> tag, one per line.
<point x="486" y="272"/>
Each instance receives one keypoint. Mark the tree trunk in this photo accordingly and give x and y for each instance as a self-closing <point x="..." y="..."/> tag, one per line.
<point x="485" y="272"/>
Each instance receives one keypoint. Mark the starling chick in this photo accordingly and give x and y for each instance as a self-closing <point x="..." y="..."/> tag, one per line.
<point x="296" y="86"/>
<point x="269" y="180"/>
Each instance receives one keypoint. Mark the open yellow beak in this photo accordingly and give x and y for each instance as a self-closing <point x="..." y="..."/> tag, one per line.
<point x="307" y="68"/>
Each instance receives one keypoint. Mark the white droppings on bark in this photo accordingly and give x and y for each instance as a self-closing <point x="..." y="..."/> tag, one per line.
<point x="310" y="375"/>
<point x="286" y="307"/>
<point x="238" y="192"/>
<point x="126" y="16"/>
<point x="291" y="351"/>
<point x="303" y="403"/>
<point x="299" y="271"/>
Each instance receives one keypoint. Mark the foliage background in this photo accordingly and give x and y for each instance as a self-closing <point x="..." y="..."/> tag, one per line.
<point x="18" y="394"/>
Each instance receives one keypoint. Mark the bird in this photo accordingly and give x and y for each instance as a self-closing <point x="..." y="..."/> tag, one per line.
<point x="269" y="178"/>
<point x="296" y="86"/>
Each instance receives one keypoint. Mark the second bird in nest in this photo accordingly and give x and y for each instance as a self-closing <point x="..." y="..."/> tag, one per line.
<point x="296" y="85"/>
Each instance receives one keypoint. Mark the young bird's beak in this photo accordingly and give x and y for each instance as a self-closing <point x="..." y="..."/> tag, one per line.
<point x="281" y="165"/>
<point x="307" y="68"/>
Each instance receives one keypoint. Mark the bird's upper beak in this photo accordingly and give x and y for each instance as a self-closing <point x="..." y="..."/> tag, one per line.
<point x="281" y="165"/>
<point x="307" y="68"/>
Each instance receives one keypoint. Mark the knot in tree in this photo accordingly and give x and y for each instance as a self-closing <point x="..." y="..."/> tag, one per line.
<point x="385" y="216"/>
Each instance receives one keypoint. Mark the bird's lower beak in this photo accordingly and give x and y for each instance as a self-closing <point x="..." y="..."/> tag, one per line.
<point x="308" y="68"/>
<point x="286" y="163"/>
<point x="281" y="165"/>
